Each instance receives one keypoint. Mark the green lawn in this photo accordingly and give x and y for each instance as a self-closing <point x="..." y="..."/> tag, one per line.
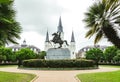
<point x="15" y="77"/>
<point x="101" y="77"/>
<point x="8" y="66"/>
<point x="112" y="66"/>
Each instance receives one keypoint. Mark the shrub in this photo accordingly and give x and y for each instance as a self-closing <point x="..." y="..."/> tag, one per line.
<point x="110" y="53"/>
<point x="41" y="55"/>
<point x="58" y="63"/>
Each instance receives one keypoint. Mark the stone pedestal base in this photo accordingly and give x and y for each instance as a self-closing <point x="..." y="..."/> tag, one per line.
<point x="58" y="53"/>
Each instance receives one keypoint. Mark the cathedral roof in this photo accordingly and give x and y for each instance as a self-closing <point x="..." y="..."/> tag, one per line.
<point x="60" y="27"/>
<point x="47" y="37"/>
<point x="72" y="37"/>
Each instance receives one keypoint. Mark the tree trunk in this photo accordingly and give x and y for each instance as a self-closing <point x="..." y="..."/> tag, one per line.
<point x="111" y="35"/>
<point x="19" y="63"/>
<point x="97" y="65"/>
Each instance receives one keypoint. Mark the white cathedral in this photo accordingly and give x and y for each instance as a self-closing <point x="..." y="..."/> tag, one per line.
<point x="71" y="46"/>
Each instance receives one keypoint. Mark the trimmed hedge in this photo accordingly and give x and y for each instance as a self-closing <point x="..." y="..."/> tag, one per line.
<point x="58" y="63"/>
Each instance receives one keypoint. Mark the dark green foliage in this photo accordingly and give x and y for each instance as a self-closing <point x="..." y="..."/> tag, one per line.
<point x="109" y="53"/>
<point x="117" y="57"/>
<point x="58" y="63"/>
<point x="94" y="54"/>
<point x="7" y="54"/>
<point x="2" y="58"/>
<point x="9" y="28"/>
<point x="41" y="55"/>
<point x="25" y="53"/>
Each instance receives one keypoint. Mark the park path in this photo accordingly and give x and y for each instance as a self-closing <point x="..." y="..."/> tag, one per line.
<point x="56" y="76"/>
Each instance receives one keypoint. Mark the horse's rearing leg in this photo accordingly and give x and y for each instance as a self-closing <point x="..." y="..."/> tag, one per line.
<point x="60" y="46"/>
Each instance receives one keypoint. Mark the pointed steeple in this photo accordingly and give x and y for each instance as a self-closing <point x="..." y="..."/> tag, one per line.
<point x="60" y="27"/>
<point x="24" y="41"/>
<point x="47" y="37"/>
<point x="72" y="37"/>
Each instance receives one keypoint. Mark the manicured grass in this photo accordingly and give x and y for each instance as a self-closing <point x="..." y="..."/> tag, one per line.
<point x="100" y="77"/>
<point x="8" y="66"/>
<point x="15" y="77"/>
<point x="112" y="66"/>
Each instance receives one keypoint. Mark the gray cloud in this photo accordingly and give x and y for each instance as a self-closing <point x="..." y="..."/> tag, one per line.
<point x="38" y="15"/>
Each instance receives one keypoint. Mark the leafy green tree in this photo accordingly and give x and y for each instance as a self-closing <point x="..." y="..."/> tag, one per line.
<point x="94" y="54"/>
<point x="102" y="19"/>
<point x="2" y="58"/>
<point x="12" y="57"/>
<point x="41" y="55"/>
<point x="117" y="57"/>
<point x="9" y="54"/>
<point x="9" y="28"/>
<point x="25" y="53"/>
<point x="6" y="54"/>
<point x="109" y="53"/>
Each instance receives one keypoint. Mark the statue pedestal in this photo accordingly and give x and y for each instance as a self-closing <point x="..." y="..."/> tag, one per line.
<point x="58" y="53"/>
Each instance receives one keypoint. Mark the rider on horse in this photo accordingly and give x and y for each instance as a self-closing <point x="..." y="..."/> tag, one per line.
<point x="57" y="39"/>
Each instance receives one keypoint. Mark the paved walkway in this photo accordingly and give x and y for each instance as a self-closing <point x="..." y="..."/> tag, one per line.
<point x="57" y="76"/>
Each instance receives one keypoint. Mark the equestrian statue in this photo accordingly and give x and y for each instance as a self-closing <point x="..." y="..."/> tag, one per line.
<point x="57" y="39"/>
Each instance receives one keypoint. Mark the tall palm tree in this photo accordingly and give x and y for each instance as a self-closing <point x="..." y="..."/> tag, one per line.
<point x="103" y="19"/>
<point x="9" y="28"/>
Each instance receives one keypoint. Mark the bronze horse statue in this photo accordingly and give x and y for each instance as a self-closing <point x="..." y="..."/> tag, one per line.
<point x="57" y="39"/>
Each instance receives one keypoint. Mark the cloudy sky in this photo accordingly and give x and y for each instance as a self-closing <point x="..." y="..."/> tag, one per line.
<point x="36" y="16"/>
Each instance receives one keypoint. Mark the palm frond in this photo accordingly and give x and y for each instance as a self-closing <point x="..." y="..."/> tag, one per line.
<point x="101" y="19"/>
<point x="117" y="21"/>
<point x="89" y="33"/>
<point x="9" y="28"/>
<point x="98" y="37"/>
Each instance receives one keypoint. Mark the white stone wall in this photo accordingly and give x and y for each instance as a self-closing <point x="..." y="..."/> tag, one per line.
<point x="72" y="49"/>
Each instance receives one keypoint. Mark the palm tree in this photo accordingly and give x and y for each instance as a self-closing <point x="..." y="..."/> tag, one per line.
<point x="103" y="19"/>
<point x="9" y="28"/>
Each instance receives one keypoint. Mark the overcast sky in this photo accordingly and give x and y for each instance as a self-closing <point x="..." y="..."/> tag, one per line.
<point x="36" y="16"/>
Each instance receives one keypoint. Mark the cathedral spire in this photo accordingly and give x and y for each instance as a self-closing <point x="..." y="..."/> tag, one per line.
<point x="47" y="37"/>
<point x="24" y="41"/>
<point x="60" y="27"/>
<point x="72" y="37"/>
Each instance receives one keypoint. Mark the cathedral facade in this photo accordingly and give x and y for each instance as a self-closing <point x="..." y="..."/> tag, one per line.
<point x="71" y="46"/>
